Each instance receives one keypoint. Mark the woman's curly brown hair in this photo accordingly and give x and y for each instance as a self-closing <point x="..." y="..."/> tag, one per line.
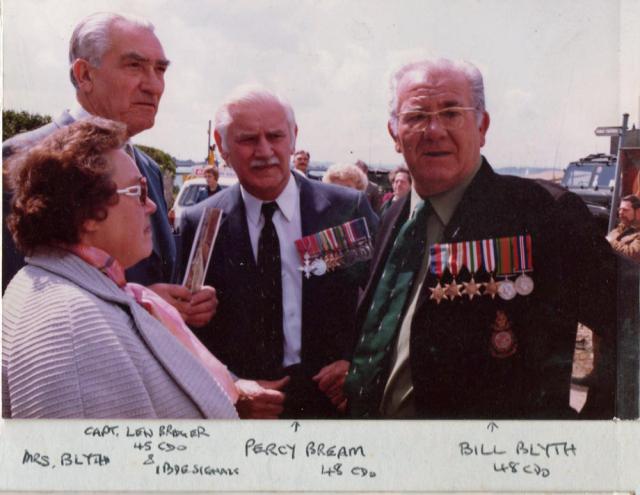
<point x="62" y="182"/>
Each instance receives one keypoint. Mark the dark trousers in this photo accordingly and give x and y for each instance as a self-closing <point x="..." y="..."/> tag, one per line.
<point x="304" y="400"/>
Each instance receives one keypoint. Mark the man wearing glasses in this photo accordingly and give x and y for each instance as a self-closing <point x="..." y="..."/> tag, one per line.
<point x="117" y="66"/>
<point x="478" y="280"/>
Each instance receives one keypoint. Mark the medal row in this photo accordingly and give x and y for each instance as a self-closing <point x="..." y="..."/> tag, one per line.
<point x="503" y="256"/>
<point x="505" y="289"/>
<point x="337" y="247"/>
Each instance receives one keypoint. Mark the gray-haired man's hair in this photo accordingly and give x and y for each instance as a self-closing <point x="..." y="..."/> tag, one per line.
<point x="467" y="69"/>
<point x="251" y="94"/>
<point x="90" y="39"/>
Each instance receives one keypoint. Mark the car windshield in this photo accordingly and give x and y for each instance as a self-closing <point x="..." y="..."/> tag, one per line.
<point x="578" y="176"/>
<point x="605" y="176"/>
<point x="190" y="195"/>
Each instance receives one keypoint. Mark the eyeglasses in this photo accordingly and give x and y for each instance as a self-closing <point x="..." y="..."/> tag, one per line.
<point x="450" y="118"/>
<point x="140" y="191"/>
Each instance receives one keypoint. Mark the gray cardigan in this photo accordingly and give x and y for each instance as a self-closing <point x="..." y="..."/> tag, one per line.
<point x="76" y="346"/>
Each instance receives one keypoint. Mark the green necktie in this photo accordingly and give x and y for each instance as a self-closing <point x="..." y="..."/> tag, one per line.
<point x="366" y="380"/>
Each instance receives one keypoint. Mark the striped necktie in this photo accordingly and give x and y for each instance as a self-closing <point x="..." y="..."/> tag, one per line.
<point x="369" y="367"/>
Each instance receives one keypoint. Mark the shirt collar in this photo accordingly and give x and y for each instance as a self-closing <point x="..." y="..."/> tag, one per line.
<point x="445" y="203"/>
<point x="288" y="202"/>
<point x="78" y="112"/>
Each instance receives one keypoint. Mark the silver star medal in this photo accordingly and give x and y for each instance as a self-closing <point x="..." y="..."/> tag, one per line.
<point x="316" y="267"/>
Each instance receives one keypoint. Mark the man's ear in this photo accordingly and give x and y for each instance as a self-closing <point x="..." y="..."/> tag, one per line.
<point x="218" y="139"/>
<point x="81" y="70"/>
<point x="394" y="137"/>
<point x="484" y="126"/>
<point x="293" y="139"/>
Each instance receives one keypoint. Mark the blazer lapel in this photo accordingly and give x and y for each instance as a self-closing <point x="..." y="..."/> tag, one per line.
<point x="394" y="219"/>
<point x="313" y="205"/>
<point x="238" y="242"/>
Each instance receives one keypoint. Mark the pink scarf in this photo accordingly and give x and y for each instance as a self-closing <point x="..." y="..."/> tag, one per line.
<point x="162" y="311"/>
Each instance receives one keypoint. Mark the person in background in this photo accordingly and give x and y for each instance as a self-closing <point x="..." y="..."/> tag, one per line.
<point x="278" y="317"/>
<point x="625" y="238"/>
<point x="372" y="191"/>
<point x="117" y="67"/>
<point x="211" y="175"/>
<point x="478" y="280"/>
<point x="301" y="161"/>
<point x="400" y="179"/>
<point x="345" y="174"/>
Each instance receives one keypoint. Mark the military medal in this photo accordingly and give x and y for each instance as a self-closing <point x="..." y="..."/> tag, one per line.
<point x="503" y="340"/>
<point x="502" y="257"/>
<point x="472" y="255"/>
<point x="437" y="293"/>
<point x="318" y="267"/>
<point x="452" y="290"/>
<point x="524" y="283"/>
<point x="471" y="288"/>
<point x="491" y="287"/>
<point x="337" y="247"/>
<point x="331" y="262"/>
<point x="508" y="259"/>
<point x="439" y="255"/>
<point x="507" y="289"/>
<point x="306" y="266"/>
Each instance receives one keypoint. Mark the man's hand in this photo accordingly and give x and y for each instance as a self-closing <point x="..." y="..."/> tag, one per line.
<point x="260" y="399"/>
<point x="330" y="380"/>
<point x="177" y="295"/>
<point x="202" y="307"/>
<point x="195" y="308"/>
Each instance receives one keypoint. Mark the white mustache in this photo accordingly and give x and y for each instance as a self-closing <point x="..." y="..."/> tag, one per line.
<point x="263" y="163"/>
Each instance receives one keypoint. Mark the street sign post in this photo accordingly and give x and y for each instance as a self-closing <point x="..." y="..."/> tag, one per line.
<point x="609" y="131"/>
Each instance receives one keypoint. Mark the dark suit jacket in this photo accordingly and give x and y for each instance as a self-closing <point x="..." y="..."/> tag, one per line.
<point x="454" y="373"/>
<point x="156" y="268"/>
<point x="328" y="302"/>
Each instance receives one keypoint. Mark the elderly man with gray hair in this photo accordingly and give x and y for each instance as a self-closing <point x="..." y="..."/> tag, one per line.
<point x="284" y="315"/>
<point x="478" y="280"/>
<point x="117" y="66"/>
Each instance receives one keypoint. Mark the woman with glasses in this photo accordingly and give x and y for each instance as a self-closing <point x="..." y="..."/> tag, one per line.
<point x="78" y="341"/>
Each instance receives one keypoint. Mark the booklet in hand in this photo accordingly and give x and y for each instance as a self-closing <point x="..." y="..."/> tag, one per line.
<point x="202" y="248"/>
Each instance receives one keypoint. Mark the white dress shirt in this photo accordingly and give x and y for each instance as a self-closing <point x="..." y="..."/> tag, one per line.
<point x="287" y="222"/>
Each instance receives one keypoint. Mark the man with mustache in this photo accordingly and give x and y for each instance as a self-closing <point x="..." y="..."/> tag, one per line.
<point x="117" y="66"/>
<point x="276" y="317"/>
<point x="478" y="280"/>
<point x="301" y="161"/>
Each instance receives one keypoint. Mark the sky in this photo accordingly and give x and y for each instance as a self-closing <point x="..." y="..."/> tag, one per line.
<point x="553" y="70"/>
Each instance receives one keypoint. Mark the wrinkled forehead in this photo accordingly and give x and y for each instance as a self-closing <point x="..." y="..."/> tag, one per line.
<point x="446" y="87"/>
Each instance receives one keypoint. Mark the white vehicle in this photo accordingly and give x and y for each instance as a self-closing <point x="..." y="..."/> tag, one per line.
<point x="190" y="194"/>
